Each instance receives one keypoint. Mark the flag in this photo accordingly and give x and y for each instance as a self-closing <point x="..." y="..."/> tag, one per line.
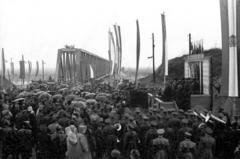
<point x="230" y="25"/>
<point x="12" y="68"/>
<point x="109" y="50"/>
<point x="114" y="54"/>
<point x="91" y="72"/>
<point x="117" y="48"/>
<point x="29" y="68"/>
<point x="164" y="68"/>
<point x="138" y="52"/>
<point x="22" y="69"/>
<point x="3" y="63"/>
<point x="37" y="68"/>
<point x="120" y="49"/>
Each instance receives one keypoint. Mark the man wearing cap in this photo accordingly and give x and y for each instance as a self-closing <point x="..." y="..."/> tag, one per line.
<point x="161" y="146"/>
<point x="153" y="114"/>
<point x="187" y="148"/>
<point x="143" y="128"/>
<point x="130" y="140"/>
<point x="160" y="124"/>
<point x="137" y="115"/>
<point x="207" y="145"/>
<point x="99" y="140"/>
<point x="109" y="134"/>
<point x="174" y="122"/>
<point x="115" y="154"/>
<point x="184" y="129"/>
<point x="150" y="135"/>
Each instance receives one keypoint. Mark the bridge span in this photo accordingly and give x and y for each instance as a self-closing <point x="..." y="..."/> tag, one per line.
<point x="79" y="65"/>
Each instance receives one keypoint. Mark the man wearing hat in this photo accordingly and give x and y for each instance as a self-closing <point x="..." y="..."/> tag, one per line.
<point x="161" y="146"/>
<point x="187" y="148"/>
<point x="207" y="145"/>
<point x="150" y="135"/>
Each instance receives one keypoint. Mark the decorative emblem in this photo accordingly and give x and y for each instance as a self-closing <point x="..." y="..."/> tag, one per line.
<point x="232" y="41"/>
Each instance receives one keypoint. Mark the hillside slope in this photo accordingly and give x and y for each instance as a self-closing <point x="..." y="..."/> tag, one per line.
<point x="176" y="68"/>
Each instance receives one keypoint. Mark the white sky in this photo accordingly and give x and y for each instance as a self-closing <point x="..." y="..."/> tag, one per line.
<point x="38" y="28"/>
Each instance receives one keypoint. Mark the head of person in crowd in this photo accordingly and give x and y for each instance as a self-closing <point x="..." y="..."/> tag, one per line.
<point x="185" y="122"/>
<point x="187" y="135"/>
<point x="134" y="154"/>
<point x="153" y="124"/>
<point x="115" y="154"/>
<point x="160" y="132"/>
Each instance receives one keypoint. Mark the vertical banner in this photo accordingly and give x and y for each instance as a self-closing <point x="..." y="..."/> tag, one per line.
<point x="91" y="72"/>
<point x="164" y="68"/>
<point x="12" y="68"/>
<point x="114" y="55"/>
<point x="230" y="17"/>
<point x="29" y="68"/>
<point x="22" y="69"/>
<point x="138" y="53"/>
<point x="37" y="68"/>
<point x="117" y="48"/>
<point x="109" y="49"/>
<point x="3" y="63"/>
<point x="43" y="69"/>
<point x="120" y="49"/>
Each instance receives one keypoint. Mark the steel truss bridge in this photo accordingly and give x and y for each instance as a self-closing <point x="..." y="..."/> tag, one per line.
<point x="79" y="65"/>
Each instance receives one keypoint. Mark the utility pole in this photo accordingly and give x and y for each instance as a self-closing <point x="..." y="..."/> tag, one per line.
<point x="153" y="46"/>
<point x="190" y="43"/>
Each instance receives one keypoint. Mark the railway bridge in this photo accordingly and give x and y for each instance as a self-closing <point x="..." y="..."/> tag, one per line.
<point x="79" y="65"/>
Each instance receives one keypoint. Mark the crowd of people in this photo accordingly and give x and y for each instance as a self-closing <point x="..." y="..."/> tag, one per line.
<point x="96" y="121"/>
<point x="180" y="90"/>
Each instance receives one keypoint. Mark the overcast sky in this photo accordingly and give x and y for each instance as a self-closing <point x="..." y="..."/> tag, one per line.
<point x="38" y="28"/>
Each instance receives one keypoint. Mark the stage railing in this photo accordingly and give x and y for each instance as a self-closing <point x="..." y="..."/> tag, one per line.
<point x="152" y="100"/>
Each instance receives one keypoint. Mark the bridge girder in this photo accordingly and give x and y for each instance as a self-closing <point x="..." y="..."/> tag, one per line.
<point x="74" y="65"/>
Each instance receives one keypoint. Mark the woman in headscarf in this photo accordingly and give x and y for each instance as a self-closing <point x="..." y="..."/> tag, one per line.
<point x="77" y="144"/>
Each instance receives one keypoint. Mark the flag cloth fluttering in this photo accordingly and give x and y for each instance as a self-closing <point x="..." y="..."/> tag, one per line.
<point x="138" y="52"/>
<point x="109" y="51"/>
<point x="91" y="72"/>
<point x="22" y="69"/>
<point x="114" y="54"/>
<point x="3" y="64"/>
<point x="164" y="68"/>
<point x="29" y="68"/>
<point x="230" y="24"/>
<point x="120" y="49"/>
<point x="117" y="48"/>
<point x="37" y="68"/>
<point x="12" y="67"/>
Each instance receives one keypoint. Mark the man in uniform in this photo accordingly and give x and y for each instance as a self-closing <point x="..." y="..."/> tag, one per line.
<point x="109" y="133"/>
<point x="206" y="146"/>
<point x="161" y="146"/>
<point x="187" y="148"/>
<point x="184" y="129"/>
<point x="150" y="135"/>
<point x="143" y="128"/>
